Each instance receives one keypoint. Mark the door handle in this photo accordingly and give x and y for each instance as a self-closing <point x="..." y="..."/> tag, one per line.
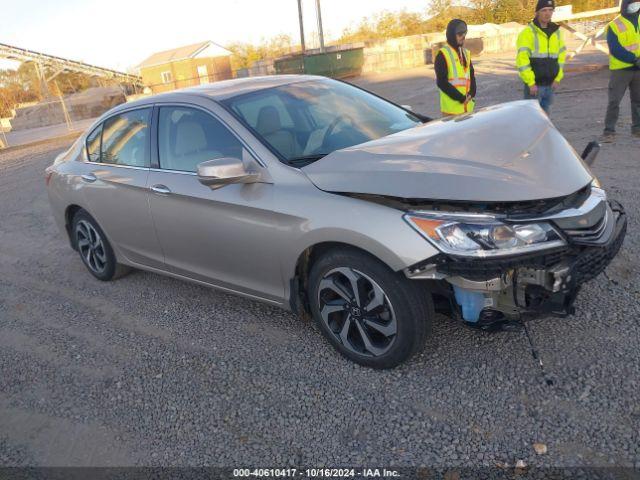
<point x="160" y="189"/>
<point x="89" y="177"/>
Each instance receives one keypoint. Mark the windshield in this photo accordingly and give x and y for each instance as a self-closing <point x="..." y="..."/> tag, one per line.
<point x="305" y="121"/>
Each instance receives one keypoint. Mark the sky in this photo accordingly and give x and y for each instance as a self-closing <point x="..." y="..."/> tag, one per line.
<point x="120" y="34"/>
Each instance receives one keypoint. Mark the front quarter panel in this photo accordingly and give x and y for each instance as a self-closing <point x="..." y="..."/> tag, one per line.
<point x="314" y="217"/>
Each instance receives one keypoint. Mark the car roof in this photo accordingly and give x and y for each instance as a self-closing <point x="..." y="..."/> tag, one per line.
<point x="224" y="89"/>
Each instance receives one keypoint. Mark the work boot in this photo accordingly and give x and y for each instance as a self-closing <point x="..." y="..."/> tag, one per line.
<point x="608" y="136"/>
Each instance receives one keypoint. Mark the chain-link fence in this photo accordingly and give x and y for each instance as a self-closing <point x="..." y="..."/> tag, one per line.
<point x="59" y="115"/>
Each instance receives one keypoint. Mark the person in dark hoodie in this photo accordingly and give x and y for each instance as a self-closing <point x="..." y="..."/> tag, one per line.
<point x="541" y="55"/>
<point x="455" y="77"/>
<point x="623" y="37"/>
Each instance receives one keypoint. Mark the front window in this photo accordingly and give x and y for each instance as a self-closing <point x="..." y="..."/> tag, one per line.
<point x="188" y="137"/>
<point x="304" y="121"/>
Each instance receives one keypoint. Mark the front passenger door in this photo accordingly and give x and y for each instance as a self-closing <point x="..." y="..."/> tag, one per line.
<point x="223" y="236"/>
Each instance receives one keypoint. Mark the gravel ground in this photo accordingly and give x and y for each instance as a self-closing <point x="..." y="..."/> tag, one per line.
<point x="149" y="370"/>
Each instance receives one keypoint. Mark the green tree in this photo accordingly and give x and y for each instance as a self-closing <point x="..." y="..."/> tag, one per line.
<point x="24" y="85"/>
<point x="245" y="54"/>
<point x="13" y="91"/>
<point x="439" y="7"/>
<point x="384" y="25"/>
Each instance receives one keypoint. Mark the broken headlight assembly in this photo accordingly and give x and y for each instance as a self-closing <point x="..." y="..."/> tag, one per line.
<point x="477" y="235"/>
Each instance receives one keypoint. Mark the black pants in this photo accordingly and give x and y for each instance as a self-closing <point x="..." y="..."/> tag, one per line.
<point x="618" y="83"/>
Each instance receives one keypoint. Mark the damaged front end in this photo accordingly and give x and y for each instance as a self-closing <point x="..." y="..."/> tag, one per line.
<point x="518" y="220"/>
<point x="496" y="267"/>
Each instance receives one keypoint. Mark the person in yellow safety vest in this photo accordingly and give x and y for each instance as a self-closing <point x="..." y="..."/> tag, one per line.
<point x="623" y="38"/>
<point x="541" y="55"/>
<point x="454" y="72"/>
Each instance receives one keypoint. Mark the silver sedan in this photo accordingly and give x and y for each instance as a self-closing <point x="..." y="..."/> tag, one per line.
<point x="322" y="198"/>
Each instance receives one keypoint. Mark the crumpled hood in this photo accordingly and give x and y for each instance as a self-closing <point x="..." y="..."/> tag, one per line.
<point x="505" y="153"/>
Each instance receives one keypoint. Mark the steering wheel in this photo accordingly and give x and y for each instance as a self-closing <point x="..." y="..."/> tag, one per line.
<point x="332" y="126"/>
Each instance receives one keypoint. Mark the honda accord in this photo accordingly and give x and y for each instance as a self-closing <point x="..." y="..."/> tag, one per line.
<point x="319" y="197"/>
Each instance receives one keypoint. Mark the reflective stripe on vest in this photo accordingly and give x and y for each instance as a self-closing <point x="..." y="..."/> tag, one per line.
<point x="620" y="24"/>
<point x="536" y="41"/>
<point x="460" y="78"/>
<point x="536" y="53"/>
<point x="629" y="39"/>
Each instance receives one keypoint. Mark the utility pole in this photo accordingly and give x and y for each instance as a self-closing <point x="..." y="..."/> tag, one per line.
<point x="320" y="34"/>
<point x="301" y="25"/>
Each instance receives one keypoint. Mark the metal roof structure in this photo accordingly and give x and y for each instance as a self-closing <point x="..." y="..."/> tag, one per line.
<point x="60" y="64"/>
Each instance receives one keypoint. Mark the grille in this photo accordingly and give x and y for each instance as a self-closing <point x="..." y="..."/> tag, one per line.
<point x="595" y="259"/>
<point x="594" y="234"/>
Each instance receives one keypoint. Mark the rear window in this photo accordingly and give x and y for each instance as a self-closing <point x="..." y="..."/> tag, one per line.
<point x="121" y="140"/>
<point x="93" y="144"/>
<point x="125" y="139"/>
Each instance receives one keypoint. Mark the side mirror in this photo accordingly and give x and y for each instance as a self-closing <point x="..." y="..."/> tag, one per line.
<point x="223" y="171"/>
<point x="407" y="107"/>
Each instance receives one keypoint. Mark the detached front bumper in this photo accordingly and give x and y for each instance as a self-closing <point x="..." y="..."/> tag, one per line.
<point x="490" y="290"/>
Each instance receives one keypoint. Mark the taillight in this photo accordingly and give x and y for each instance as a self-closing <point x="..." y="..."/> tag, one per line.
<point x="47" y="177"/>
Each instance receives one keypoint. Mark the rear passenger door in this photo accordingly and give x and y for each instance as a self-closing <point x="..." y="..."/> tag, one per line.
<point x="218" y="236"/>
<point x="115" y="184"/>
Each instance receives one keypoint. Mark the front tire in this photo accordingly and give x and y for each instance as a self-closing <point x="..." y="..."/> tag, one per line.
<point x="94" y="248"/>
<point x="370" y="314"/>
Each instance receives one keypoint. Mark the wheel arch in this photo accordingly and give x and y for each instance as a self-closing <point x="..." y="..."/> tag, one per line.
<point x="298" y="279"/>
<point x="69" y="213"/>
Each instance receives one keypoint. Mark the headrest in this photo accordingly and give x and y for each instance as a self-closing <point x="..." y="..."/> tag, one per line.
<point x="190" y="137"/>
<point x="268" y="120"/>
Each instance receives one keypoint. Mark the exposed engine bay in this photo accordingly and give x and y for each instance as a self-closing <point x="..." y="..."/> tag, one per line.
<point x="517" y="229"/>
<point x="485" y="291"/>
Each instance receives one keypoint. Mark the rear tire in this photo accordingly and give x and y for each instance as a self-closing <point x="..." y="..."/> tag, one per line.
<point x="94" y="248"/>
<point x="385" y="324"/>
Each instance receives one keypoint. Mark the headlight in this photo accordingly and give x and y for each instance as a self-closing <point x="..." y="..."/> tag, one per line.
<point x="482" y="235"/>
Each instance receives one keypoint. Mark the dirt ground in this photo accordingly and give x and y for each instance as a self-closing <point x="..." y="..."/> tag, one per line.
<point x="579" y="106"/>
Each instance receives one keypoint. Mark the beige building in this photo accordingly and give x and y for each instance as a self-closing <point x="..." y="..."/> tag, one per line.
<point x="203" y="62"/>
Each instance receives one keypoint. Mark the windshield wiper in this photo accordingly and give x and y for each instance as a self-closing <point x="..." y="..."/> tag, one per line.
<point x="305" y="160"/>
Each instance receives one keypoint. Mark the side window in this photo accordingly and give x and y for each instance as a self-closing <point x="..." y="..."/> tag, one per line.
<point x="93" y="144"/>
<point x="125" y="139"/>
<point x="188" y="136"/>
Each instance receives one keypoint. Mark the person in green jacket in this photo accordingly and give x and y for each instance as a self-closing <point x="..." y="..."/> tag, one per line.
<point x="623" y="38"/>
<point x="541" y="55"/>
